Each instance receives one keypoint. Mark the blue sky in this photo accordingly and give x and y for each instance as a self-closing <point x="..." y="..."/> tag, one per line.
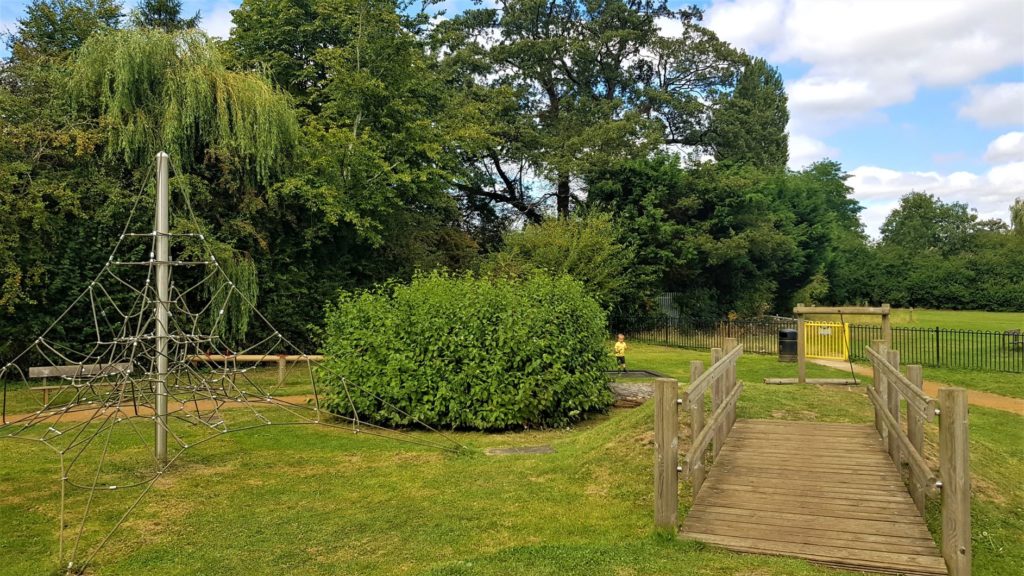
<point x="923" y="95"/>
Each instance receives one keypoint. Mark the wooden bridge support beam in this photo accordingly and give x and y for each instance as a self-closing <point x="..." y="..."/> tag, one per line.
<point x="666" y="453"/>
<point x="954" y="470"/>
<point x="892" y="399"/>
<point x="696" y="407"/>
<point x="915" y="431"/>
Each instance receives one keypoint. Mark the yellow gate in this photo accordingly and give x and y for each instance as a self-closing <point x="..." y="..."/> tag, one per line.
<point x="827" y="340"/>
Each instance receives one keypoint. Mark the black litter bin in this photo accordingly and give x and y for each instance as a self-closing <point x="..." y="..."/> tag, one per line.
<point x="787" y="345"/>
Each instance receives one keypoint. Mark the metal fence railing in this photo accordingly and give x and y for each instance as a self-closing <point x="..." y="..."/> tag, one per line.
<point x="935" y="347"/>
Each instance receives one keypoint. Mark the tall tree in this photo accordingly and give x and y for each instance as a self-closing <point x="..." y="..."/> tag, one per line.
<point x="750" y="124"/>
<point x="1017" y="216"/>
<point x="576" y="85"/>
<point x="56" y="27"/>
<point x="924" y="222"/>
<point x="163" y="14"/>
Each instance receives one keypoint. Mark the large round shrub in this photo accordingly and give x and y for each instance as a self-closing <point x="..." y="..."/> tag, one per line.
<point x="468" y="352"/>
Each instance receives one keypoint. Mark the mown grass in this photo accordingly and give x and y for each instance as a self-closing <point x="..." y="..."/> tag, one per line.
<point x="1003" y="383"/>
<point x="308" y="500"/>
<point x="951" y="319"/>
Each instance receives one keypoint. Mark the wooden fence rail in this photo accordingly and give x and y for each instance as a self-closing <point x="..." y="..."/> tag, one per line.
<point x="712" y="431"/>
<point x="907" y="447"/>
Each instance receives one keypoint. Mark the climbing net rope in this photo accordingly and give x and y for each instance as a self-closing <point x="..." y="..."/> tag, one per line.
<point x="100" y="415"/>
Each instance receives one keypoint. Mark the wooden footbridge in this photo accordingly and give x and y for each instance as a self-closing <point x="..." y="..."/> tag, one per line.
<point x="844" y="495"/>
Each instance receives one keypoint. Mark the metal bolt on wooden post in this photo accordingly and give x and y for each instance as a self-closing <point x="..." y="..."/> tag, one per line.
<point x="696" y="407"/>
<point x="892" y="400"/>
<point x="666" y="453"/>
<point x="954" y="470"/>
<point x="915" y="432"/>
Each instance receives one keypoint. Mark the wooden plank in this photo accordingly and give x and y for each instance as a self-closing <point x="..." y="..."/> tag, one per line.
<point x="842" y="489"/>
<point x="815" y="492"/>
<point x="915" y="433"/>
<point x="844" y="310"/>
<point x="914" y="458"/>
<point x="79" y="370"/>
<point x="817" y="509"/>
<point x="666" y="453"/>
<point x="256" y="358"/>
<point x="900" y="563"/>
<point x="700" y="443"/>
<point x="804" y="462"/>
<point x="822" y="498"/>
<point x="701" y="384"/>
<point x="857" y="541"/>
<point x="696" y="407"/>
<point x="954" y="466"/>
<point x="890" y="372"/>
<point x="731" y="382"/>
<point x="810" y="521"/>
<point x="892" y="401"/>
<point x="819" y="381"/>
<point x="877" y="383"/>
<point x="717" y="398"/>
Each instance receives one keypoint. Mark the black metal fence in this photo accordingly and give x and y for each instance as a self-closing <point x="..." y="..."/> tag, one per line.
<point x="934" y="347"/>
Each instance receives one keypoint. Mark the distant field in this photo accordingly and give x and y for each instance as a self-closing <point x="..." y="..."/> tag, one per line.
<point x="956" y="319"/>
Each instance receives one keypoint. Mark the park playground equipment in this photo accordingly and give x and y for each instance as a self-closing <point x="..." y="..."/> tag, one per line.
<point x="833" y="494"/>
<point x="154" y="363"/>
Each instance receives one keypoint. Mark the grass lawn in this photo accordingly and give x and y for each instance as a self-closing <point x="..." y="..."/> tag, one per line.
<point x="952" y="319"/>
<point x="1004" y="383"/>
<point x="308" y="500"/>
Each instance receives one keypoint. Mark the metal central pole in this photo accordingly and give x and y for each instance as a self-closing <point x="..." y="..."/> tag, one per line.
<point x="163" y="277"/>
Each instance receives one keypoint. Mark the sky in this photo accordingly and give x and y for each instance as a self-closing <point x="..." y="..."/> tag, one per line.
<point x="908" y="95"/>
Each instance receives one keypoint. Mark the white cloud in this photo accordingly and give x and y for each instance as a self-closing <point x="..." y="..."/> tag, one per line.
<point x="217" y="21"/>
<point x="1006" y="148"/>
<point x="869" y="54"/>
<point x="879" y="190"/>
<point x="804" y="150"/>
<point x="996" y="105"/>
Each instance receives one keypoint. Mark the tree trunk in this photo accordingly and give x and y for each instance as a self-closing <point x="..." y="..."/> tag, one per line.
<point x="562" y="196"/>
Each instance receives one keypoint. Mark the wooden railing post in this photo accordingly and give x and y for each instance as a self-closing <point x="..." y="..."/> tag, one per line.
<point x="718" y="394"/>
<point x="915" y="431"/>
<point x="696" y="407"/>
<point x="666" y="453"/>
<point x="730" y="382"/>
<point x="892" y="399"/>
<point x="282" y="366"/>
<point x="954" y="471"/>
<point x="879" y="382"/>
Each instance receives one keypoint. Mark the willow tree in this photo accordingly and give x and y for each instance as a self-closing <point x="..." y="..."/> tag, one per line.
<point x="230" y="134"/>
<point x="156" y="90"/>
<point x="1017" y="216"/>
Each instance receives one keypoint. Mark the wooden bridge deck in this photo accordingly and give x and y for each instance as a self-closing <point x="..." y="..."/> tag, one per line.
<point x="828" y="493"/>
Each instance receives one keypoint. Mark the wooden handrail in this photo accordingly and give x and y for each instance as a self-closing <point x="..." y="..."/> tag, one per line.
<point x="921" y="402"/>
<point x="696" y="388"/>
<point x="700" y="443"/>
<point x="256" y="358"/>
<point x="915" y="459"/>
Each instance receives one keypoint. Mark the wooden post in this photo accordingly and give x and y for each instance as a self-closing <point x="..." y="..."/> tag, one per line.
<point x="954" y="470"/>
<point x="801" y="349"/>
<point x="282" y="366"/>
<point x="730" y="383"/>
<point x="892" y="400"/>
<point x="886" y="327"/>
<point x="915" y="431"/>
<point x="880" y="388"/>
<point x="696" y="407"/>
<point x="718" y="394"/>
<point x="666" y="453"/>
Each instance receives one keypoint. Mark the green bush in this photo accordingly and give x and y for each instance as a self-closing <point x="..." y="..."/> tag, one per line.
<point x="467" y="352"/>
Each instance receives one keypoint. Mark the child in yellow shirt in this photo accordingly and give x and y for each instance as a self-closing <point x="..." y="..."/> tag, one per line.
<point x="620" y="352"/>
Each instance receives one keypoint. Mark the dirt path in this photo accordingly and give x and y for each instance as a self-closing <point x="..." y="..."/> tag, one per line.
<point x="86" y="413"/>
<point x="931" y="388"/>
